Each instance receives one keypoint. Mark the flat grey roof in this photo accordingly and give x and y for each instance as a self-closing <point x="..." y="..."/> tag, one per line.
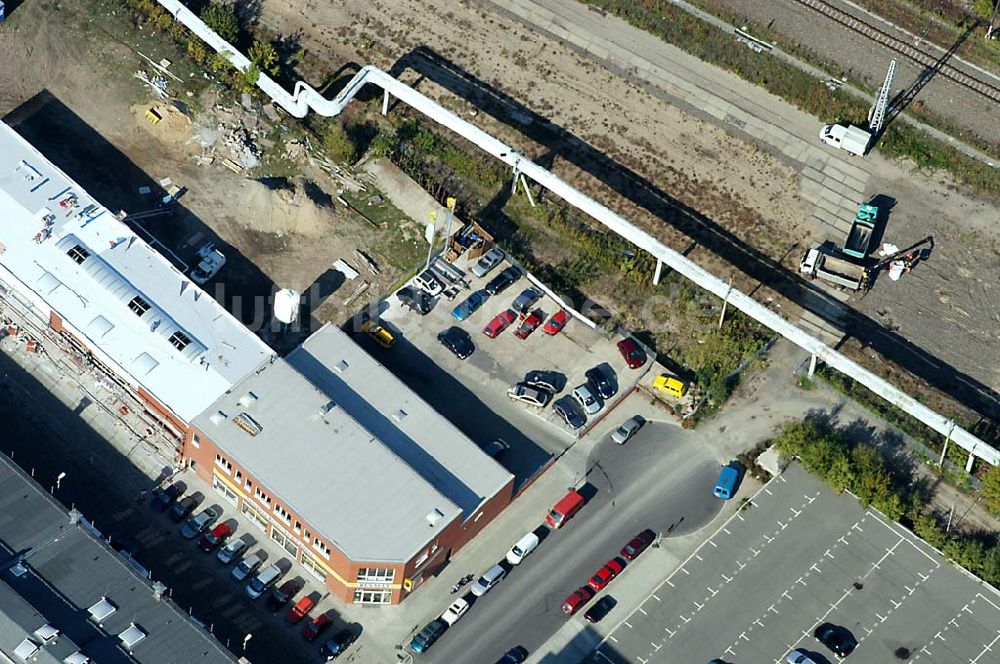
<point x="312" y="455"/>
<point x="434" y="447"/>
<point x="66" y="570"/>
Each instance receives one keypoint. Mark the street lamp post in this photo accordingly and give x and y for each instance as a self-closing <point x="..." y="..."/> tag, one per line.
<point x="246" y="639"/>
<point x="59" y="479"/>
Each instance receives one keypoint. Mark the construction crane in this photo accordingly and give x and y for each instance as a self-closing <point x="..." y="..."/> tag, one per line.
<point x="876" y="116"/>
<point x="908" y="256"/>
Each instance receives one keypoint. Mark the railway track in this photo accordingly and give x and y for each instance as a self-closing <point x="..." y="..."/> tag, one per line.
<point x="880" y="36"/>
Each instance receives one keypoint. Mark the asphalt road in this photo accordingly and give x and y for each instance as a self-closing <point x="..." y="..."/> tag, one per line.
<point x="661" y="479"/>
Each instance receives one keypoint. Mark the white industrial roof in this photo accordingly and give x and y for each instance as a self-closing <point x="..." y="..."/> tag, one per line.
<point x="310" y="455"/>
<point x="185" y="349"/>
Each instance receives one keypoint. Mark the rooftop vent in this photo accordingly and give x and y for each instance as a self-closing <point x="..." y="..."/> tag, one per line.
<point x="77" y="658"/>
<point x="248" y="424"/>
<point x="46" y="633"/>
<point x="159" y="590"/>
<point x="102" y="609"/>
<point x="131" y="636"/>
<point x="434" y="516"/>
<point x="25" y="649"/>
<point x="218" y="417"/>
<point x="341" y="367"/>
<point x="399" y="415"/>
<point x="18" y="570"/>
<point x="247" y="400"/>
<point x="326" y="408"/>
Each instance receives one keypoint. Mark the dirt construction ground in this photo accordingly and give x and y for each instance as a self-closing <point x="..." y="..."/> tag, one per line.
<point x="945" y="313"/>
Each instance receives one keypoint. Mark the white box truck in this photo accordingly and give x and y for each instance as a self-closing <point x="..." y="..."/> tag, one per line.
<point x="853" y="139"/>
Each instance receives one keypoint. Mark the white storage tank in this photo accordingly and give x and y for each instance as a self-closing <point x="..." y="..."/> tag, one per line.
<point x="286" y="305"/>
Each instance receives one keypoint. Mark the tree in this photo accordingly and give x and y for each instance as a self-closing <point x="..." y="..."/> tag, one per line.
<point x="263" y="55"/>
<point x="990" y="487"/>
<point x="222" y="19"/>
<point x="338" y="143"/>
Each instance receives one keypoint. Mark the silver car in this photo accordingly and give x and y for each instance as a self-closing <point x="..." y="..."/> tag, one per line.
<point x="247" y="566"/>
<point x="228" y="553"/>
<point x="529" y="395"/>
<point x="487" y="262"/>
<point x="587" y="400"/>
<point x="799" y="657"/>
<point x="627" y="430"/>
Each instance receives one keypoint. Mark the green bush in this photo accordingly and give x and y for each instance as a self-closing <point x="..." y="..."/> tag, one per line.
<point x="338" y="143"/>
<point x="222" y="19"/>
<point x="264" y="56"/>
<point x="989" y="487"/>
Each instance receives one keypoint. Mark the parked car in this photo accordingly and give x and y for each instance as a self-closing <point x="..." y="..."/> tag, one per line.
<point x="300" y="610"/>
<point x="211" y="540"/>
<point x="496" y="448"/>
<point x="580" y="597"/>
<point x="524" y="546"/>
<point x="210" y="261"/>
<point x="556" y="322"/>
<point x="247" y="566"/>
<point x="529" y="324"/>
<point x="457" y="341"/>
<point x="604" y="575"/>
<point x="457" y="609"/>
<point x="264" y="580"/>
<point x="379" y="334"/>
<point x="183" y="508"/>
<point x="164" y="497"/>
<point x="415" y="299"/>
<point x="568" y="410"/>
<point x="499" y="323"/>
<point x="316" y="626"/>
<point x="726" y="486"/>
<point x="600" y="609"/>
<point x="282" y="595"/>
<point x="799" y="657"/>
<point x="602" y="382"/>
<point x="564" y="510"/>
<point x="515" y="655"/>
<point x="634" y="356"/>
<point x="228" y="553"/>
<point x="586" y="399"/>
<point x="628" y="429"/>
<point x="197" y="524"/>
<point x="488" y="580"/>
<point x="671" y="385"/>
<point x="431" y="632"/>
<point x="429" y="283"/>
<point x="523" y="302"/>
<point x="529" y="395"/>
<point x="470" y="305"/>
<point x="638" y="544"/>
<point x="836" y="638"/>
<point x="503" y="281"/>
<point x="553" y="381"/>
<point x="488" y="261"/>
<point x="340" y="642"/>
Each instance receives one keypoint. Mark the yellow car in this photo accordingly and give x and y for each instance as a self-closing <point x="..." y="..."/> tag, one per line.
<point x="378" y="334"/>
<point x="672" y="386"/>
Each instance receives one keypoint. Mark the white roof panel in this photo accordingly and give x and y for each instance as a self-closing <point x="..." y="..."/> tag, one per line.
<point x="87" y="266"/>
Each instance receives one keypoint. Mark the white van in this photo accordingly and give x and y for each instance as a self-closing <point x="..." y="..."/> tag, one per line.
<point x="524" y="546"/>
<point x="490" y="578"/>
<point x="263" y="581"/>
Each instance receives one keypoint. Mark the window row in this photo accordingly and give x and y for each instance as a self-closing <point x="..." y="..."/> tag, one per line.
<point x="376" y="574"/>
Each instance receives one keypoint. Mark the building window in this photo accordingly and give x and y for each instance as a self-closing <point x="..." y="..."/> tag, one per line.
<point x="223" y="463"/>
<point x="298" y="528"/>
<point x="179" y="340"/>
<point x="372" y="596"/>
<point x="312" y="566"/>
<point x="285" y="540"/>
<point x="255" y="517"/>
<point x="247" y="484"/>
<point x="226" y="492"/>
<point x="376" y="575"/>
<point x="261" y="496"/>
<point x="138" y="305"/>
<point x="78" y="253"/>
<point x="322" y="548"/>
<point x="195" y="443"/>
<point x="238" y="476"/>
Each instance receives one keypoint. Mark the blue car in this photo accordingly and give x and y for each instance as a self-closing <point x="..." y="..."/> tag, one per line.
<point x="726" y="485"/>
<point x="470" y="305"/>
<point x="428" y="635"/>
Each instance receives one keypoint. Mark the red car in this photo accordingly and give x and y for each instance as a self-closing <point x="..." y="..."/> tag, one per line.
<point x="301" y="608"/>
<point x="633" y="355"/>
<point x="211" y="540"/>
<point x="577" y="599"/>
<point x="316" y="626"/>
<point x="529" y="325"/>
<point x="499" y="323"/>
<point x="604" y="575"/>
<point x="638" y="544"/>
<point x="556" y="323"/>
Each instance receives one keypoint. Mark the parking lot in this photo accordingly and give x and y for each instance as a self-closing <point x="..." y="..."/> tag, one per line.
<point x="472" y="393"/>
<point x="799" y="556"/>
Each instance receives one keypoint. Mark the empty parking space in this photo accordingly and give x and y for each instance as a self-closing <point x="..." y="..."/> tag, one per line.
<point x="798" y="556"/>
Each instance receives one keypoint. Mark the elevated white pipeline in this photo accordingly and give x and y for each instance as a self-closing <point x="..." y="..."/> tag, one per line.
<point x="305" y="98"/>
